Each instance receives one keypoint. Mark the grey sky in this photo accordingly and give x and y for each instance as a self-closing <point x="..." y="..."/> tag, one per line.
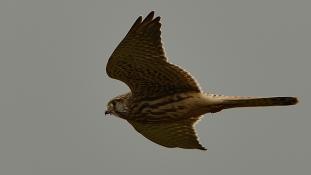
<point x="54" y="87"/>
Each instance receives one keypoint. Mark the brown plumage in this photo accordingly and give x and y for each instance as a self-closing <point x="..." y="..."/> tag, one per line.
<point x="165" y="101"/>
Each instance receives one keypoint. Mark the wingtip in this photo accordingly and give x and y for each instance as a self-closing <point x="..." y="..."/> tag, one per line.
<point x="138" y="20"/>
<point x="150" y="16"/>
<point x="157" y="19"/>
<point x="151" y="13"/>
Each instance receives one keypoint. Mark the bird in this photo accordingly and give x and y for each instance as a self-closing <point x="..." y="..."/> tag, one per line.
<point x="165" y="101"/>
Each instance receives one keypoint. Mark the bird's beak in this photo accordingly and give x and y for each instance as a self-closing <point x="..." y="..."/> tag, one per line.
<point x="107" y="112"/>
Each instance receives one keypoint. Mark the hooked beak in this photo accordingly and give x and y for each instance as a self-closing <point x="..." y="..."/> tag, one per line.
<point x="107" y="112"/>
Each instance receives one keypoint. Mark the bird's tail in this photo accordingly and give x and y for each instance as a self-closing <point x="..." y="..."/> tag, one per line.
<point x="226" y="102"/>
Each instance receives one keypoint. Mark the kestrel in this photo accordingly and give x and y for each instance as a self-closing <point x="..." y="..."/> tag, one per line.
<point x="165" y="101"/>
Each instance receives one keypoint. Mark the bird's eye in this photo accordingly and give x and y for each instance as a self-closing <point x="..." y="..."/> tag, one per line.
<point x="113" y="103"/>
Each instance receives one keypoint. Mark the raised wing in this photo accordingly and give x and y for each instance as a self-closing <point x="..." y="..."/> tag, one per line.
<point x="140" y="62"/>
<point x="179" y="134"/>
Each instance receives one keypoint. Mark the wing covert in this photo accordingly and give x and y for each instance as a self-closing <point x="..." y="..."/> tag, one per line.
<point x="179" y="134"/>
<point x="140" y="62"/>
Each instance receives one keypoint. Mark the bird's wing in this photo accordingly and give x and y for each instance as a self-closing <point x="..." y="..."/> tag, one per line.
<point x="179" y="134"/>
<point x="140" y="62"/>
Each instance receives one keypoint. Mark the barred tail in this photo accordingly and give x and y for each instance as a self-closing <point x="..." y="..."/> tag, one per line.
<point x="233" y="102"/>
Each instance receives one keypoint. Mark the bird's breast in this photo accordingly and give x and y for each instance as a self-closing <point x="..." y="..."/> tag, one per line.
<point x="170" y="108"/>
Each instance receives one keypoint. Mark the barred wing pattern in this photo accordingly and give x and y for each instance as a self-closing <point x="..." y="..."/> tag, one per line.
<point x="160" y="90"/>
<point x="140" y="62"/>
<point x="179" y="134"/>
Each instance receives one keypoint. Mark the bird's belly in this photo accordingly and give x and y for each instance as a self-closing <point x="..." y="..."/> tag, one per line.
<point x="170" y="108"/>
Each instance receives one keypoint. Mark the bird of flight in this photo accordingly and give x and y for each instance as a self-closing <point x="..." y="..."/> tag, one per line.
<point x="165" y="101"/>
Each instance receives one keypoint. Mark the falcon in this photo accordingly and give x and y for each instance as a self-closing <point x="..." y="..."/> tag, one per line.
<point x="165" y="101"/>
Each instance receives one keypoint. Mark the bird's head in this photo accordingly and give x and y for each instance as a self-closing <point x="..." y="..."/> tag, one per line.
<point x="117" y="106"/>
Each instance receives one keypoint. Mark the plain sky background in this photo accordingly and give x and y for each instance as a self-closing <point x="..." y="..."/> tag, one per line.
<point x="54" y="88"/>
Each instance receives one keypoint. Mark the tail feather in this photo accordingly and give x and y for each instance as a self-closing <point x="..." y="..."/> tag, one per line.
<point x="257" y="102"/>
